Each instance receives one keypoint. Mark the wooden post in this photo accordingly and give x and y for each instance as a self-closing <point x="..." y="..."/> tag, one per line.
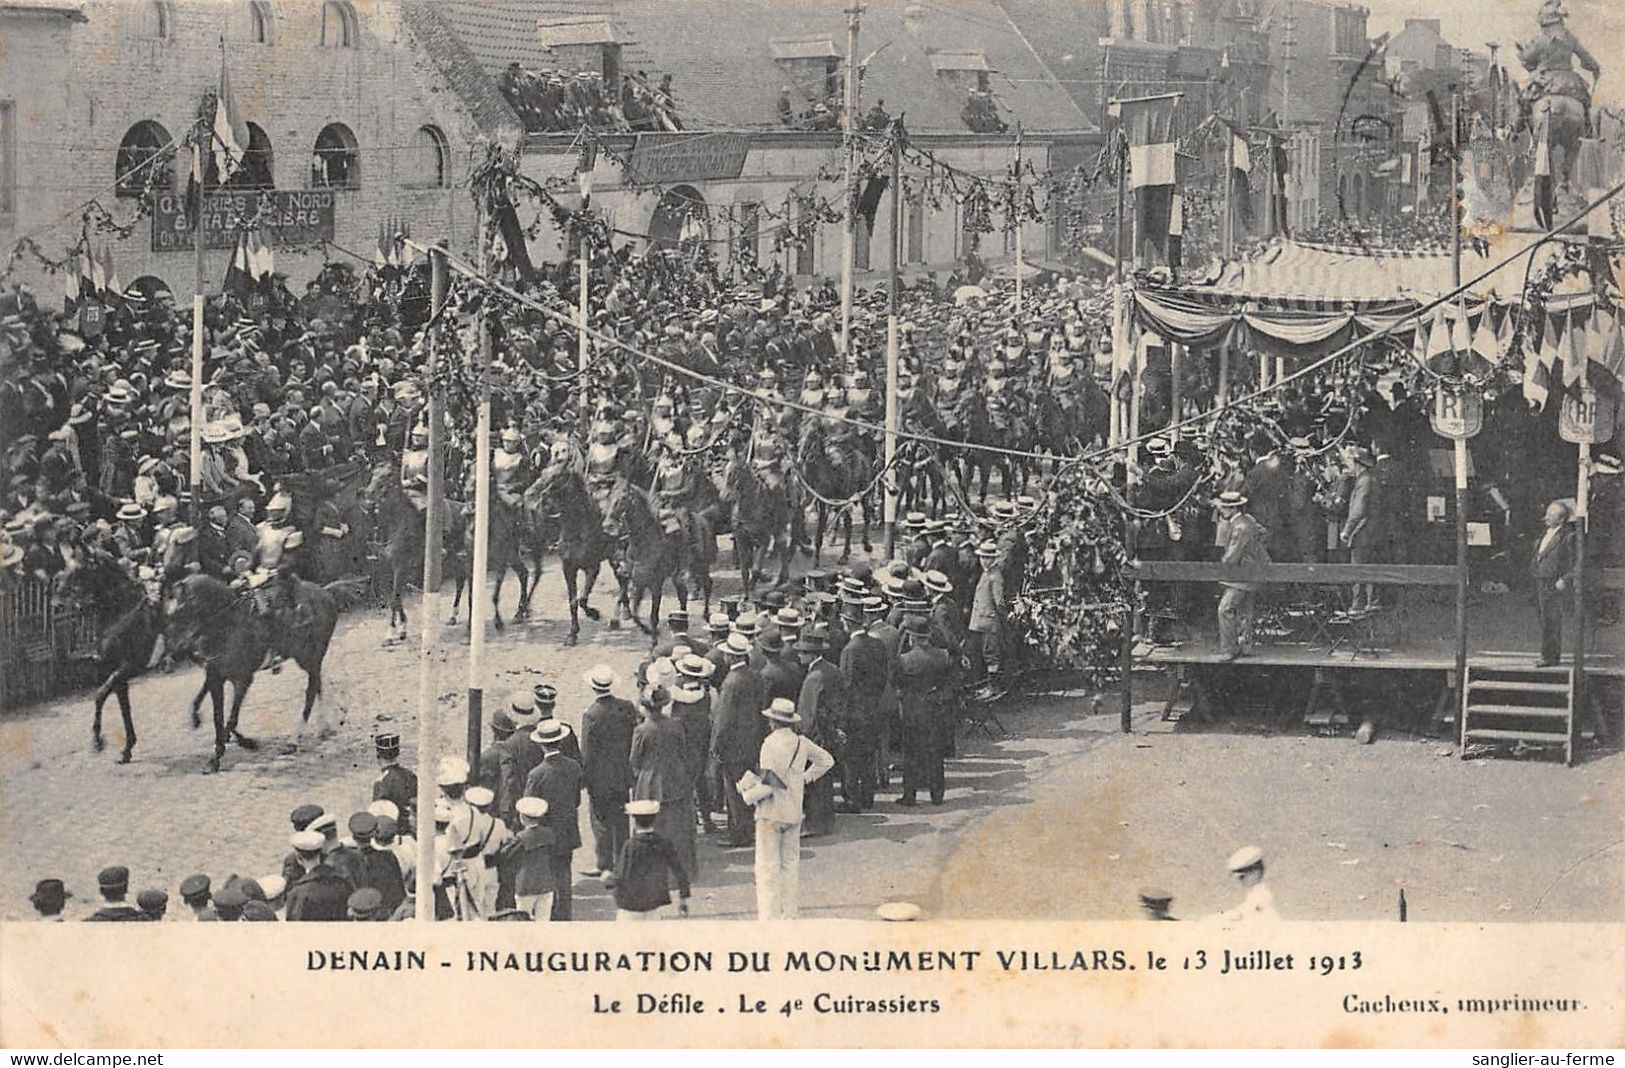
<point x="1227" y="242"/>
<point x="1582" y="510"/>
<point x="428" y="743"/>
<point x="1176" y="393"/>
<point x="848" y="230"/>
<point x="893" y="271"/>
<point x="1224" y="375"/>
<point x="1460" y="453"/>
<point x="1018" y="220"/>
<point x="481" y="566"/>
<point x="195" y="405"/>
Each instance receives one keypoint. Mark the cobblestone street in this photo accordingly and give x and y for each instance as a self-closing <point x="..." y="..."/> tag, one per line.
<point x="1063" y="819"/>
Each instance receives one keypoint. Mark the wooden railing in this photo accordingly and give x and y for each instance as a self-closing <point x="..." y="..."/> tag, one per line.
<point x="1613" y="578"/>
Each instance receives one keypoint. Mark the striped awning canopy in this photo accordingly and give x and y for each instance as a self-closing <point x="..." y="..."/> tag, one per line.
<point x="1300" y="300"/>
<point x="1303" y="276"/>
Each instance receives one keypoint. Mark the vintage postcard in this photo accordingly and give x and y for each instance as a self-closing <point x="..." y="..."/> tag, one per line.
<point x="995" y="522"/>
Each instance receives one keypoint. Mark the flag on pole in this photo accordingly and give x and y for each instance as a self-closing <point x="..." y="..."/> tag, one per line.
<point x="1574" y="350"/>
<point x="1437" y="355"/>
<point x="239" y="282"/>
<point x="230" y="132"/>
<point x="380" y="255"/>
<point x="1486" y="342"/>
<point x="110" y="278"/>
<point x="1176" y="230"/>
<point x="1538" y="364"/>
<point x="1148" y="125"/>
<point x="1607" y="371"/>
<point x="261" y="260"/>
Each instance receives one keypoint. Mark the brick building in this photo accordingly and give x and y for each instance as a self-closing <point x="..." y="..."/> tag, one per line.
<point x="352" y="103"/>
<point x="731" y="62"/>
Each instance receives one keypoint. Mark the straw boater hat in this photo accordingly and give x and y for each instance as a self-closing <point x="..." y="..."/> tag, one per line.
<point x="937" y="582"/>
<point x="782" y="710"/>
<point x="550" y="732"/>
<point x="522" y="710"/>
<point x="1231" y="499"/>
<point x="601" y="678"/>
<point x="988" y="549"/>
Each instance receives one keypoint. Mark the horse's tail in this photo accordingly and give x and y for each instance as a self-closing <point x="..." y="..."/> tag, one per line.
<point x="346" y="591"/>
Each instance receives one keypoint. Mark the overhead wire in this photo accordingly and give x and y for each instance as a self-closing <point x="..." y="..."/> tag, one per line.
<point x="1101" y="453"/>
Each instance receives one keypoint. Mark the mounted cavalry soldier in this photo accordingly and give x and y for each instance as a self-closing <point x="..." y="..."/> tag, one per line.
<point x="676" y="492"/>
<point x="605" y="460"/>
<point x="275" y="557"/>
<point x="664" y="420"/>
<point x="510" y="469"/>
<point x="415" y="468"/>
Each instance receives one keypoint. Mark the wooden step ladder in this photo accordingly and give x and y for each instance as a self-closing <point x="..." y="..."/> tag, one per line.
<point x="1531" y="705"/>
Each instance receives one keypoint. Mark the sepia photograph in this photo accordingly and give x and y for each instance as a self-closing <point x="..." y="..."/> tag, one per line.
<point x="869" y="463"/>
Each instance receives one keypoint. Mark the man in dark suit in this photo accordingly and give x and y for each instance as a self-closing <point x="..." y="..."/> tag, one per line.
<point x="822" y="706"/>
<point x="736" y="734"/>
<point x="923" y="675"/>
<point x="780" y="674"/>
<point x="114" y="884"/>
<point x="606" y="768"/>
<point x="394" y="783"/>
<point x="320" y="892"/>
<point x="375" y="868"/>
<point x="1362" y="531"/>
<point x="557" y="780"/>
<point x="497" y="772"/>
<point x="866" y="676"/>
<point x="1552" y="567"/>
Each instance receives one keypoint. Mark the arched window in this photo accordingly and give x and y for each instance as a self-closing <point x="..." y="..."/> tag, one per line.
<point x="149" y="286"/>
<point x="158" y="20"/>
<point x="134" y="168"/>
<point x="338" y="24"/>
<point x="337" y="162"/>
<point x="429" y="163"/>
<point x="259" y="21"/>
<point x="256" y="171"/>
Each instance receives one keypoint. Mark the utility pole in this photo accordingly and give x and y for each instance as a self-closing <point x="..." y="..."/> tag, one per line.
<point x="1288" y="39"/>
<point x="1018" y="206"/>
<point x="195" y="401"/>
<point x="430" y="608"/>
<point x="849" y="231"/>
<point x="894" y="255"/>
<point x="482" y="506"/>
<point x="584" y="255"/>
<point x="1460" y="442"/>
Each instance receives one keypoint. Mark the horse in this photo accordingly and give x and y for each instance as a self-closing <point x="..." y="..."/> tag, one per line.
<point x="761" y="520"/>
<point x="837" y="474"/>
<point x="225" y="631"/>
<point x="1557" y="123"/>
<point x="967" y="420"/>
<point x="511" y="536"/>
<point x="651" y="556"/>
<point x="1007" y="428"/>
<point x="403" y="545"/>
<point x="920" y="474"/>
<point x="108" y="592"/>
<point x="560" y="495"/>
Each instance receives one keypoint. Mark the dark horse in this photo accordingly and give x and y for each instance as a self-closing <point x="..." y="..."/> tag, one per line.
<point x="761" y="520"/>
<point x="838" y="473"/>
<point x="402" y="525"/>
<point x="560" y="495"/>
<point x="128" y="640"/>
<point x="224" y="631"/>
<point x="512" y="535"/>
<point x="652" y="555"/>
